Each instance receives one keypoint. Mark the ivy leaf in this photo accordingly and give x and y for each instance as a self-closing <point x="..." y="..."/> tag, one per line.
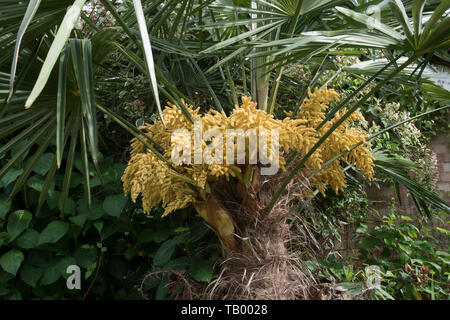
<point x="177" y="264"/>
<point x="161" y="234"/>
<point x="36" y="183"/>
<point x="50" y="272"/>
<point x="53" y="232"/>
<point x="18" y="221"/>
<point x="161" y="291"/>
<point x="44" y="163"/>
<point x="79" y="219"/>
<point x="86" y="256"/>
<point x="11" y="176"/>
<point x="202" y="270"/>
<point x="55" y="268"/>
<point x="29" y="239"/>
<point x="164" y="253"/>
<point x="5" y="276"/>
<point x="11" y="261"/>
<point x="96" y="208"/>
<point x="63" y="264"/>
<point x="5" y="206"/>
<point x="31" y="275"/>
<point x="113" y="205"/>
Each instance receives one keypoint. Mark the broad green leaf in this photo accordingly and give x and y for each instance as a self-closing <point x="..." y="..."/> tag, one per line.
<point x="18" y="221"/>
<point x="11" y="261"/>
<point x="69" y="206"/>
<point x="164" y="253"/>
<point x="5" y="206"/>
<point x="86" y="256"/>
<point x="55" y="268"/>
<point x="28" y="240"/>
<point x="202" y="270"/>
<point x="64" y="263"/>
<point x="96" y="212"/>
<point x="11" y="176"/>
<point x="54" y="231"/>
<point x="385" y="294"/>
<point x="43" y="164"/>
<point x="161" y="234"/>
<point x="113" y="205"/>
<point x="5" y="276"/>
<point x="79" y="219"/>
<point x="99" y="226"/>
<point x="30" y="274"/>
<point x="50" y="272"/>
<point x="58" y="43"/>
<point x="177" y="264"/>
<point x="36" y="183"/>
<point x="161" y="291"/>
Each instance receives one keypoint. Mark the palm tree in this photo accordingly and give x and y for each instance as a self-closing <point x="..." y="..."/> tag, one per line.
<point x="219" y="51"/>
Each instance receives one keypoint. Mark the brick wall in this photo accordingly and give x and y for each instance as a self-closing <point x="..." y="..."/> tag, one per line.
<point x="382" y="197"/>
<point x="441" y="146"/>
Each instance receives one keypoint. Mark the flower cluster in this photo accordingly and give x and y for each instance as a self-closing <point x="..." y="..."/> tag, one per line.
<point x="178" y="185"/>
<point x="342" y="139"/>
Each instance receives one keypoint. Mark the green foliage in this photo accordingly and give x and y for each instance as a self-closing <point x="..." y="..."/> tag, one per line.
<point x="205" y="53"/>
<point x="411" y="256"/>
<point x="413" y="259"/>
<point x="113" y="243"/>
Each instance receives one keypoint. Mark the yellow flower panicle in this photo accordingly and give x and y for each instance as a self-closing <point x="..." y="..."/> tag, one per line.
<point x="342" y="139"/>
<point x="147" y="175"/>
